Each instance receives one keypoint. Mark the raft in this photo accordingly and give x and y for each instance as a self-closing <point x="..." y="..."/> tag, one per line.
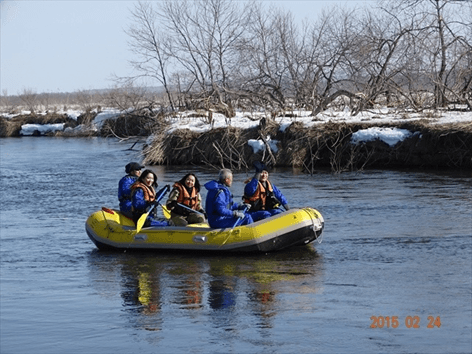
<point x="110" y="230"/>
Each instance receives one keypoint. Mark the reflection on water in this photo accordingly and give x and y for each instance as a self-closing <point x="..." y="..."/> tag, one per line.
<point x="156" y="283"/>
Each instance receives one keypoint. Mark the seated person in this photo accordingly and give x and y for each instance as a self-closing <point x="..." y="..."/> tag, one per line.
<point x="143" y="196"/>
<point x="221" y="210"/>
<point x="264" y="197"/>
<point x="185" y="197"/>
<point x="133" y="171"/>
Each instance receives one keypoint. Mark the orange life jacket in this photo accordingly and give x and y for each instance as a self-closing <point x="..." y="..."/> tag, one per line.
<point x="149" y="192"/>
<point x="185" y="198"/>
<point x="259" y="198"/>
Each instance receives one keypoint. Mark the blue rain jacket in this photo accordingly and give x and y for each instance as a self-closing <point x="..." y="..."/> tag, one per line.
<point x="140" y="206"/>
<point x="124" y="192"/>
<point x="220" y="206"/>
<point x="251" y="188"/>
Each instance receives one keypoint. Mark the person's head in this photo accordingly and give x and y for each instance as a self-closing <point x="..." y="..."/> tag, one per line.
<point x="264" y="176"/>
<point x="149" y="178"/>
<point x="190" y="180"/>
<point x="134" y="169"/>
<point x="225" y="176"/>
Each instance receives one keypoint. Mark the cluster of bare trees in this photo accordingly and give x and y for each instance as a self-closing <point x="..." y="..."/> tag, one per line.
<point x="223" y="54"/>
<point x="219" y="55"/>
<point x="35" y="102"/>
<point x="124" y="98"/>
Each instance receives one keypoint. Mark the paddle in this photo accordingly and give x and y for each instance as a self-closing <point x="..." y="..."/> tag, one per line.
<point x="165" y="211"/>
<point x="239" y="219"/>
<point x="142" y="218"/>
<point x="186" y="207"/>
<point x="235" y="224"/>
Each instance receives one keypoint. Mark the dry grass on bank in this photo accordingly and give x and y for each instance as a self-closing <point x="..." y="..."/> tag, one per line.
<point x="324" y="145"/>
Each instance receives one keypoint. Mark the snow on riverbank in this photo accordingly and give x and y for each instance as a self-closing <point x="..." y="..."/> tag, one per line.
<point x="244" y="120"/>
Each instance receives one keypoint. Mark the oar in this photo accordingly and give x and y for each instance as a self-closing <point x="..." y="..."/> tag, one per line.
<point x="239" y="219"/>
<point x="142" y="218"/>
<point x="235" y="224"/>
<point x="186" y="207"/>
<point x="165" y="211"/>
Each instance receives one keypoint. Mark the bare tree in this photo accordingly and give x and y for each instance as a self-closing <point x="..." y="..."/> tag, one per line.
<point x="151" y="46"/>
<point x="443" y="39"/>
<point x="29" y="99"/>
<point x="86" y="100"/>
<point x="336" y="72"/>
<point x="215" y="54"/>
<point x="6" y="102"/>
<point x="205" y="37"/>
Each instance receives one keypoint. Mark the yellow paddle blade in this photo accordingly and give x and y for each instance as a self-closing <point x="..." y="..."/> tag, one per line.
<point x="165" y="211"/>
<point x="141" y="221"/>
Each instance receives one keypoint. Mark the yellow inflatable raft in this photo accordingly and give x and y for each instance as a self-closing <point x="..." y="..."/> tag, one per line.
<point x="108" y="229"/>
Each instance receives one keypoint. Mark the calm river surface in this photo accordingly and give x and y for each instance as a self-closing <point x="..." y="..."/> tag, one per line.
<point x="397" y="245"/>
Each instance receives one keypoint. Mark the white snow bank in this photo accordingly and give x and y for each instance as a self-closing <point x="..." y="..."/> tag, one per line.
<point x="185" y="120"/>
<point x="390" y="136"/>
<point x="29" y="129"/>
<point x="259" y="145"/>
<point x="104" y="115"/>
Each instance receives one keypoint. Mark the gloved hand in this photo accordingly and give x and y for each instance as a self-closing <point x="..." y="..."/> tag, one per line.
<point x="238" y="214"/>
<point x="243" y="206"/>
<point x="171" y="205"/>
<point x="286" y="207"/>
<point x="259" y="166"/>
<point x="164" y="190"/>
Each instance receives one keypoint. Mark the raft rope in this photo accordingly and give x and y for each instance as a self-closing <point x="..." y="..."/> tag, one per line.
<point x="109" y="211"/>
<point x="108" y="227"/>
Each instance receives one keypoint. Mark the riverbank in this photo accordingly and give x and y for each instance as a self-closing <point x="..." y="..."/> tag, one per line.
<point x="332" y="145"/>
<point x="337" y="140"/>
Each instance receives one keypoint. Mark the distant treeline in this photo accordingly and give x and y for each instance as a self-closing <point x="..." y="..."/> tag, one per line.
<point x="84" y="100"/>
<point x="221" y="55"/>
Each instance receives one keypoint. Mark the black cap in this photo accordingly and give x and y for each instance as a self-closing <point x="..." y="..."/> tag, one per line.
<point x="259" y="165"/>
<point x="133" y="166"/>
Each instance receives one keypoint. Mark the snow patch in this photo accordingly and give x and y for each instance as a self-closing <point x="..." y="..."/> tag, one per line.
<point x="259" y="145"/>
<point x="390" y="136"/>
<point x="29" y="129"/>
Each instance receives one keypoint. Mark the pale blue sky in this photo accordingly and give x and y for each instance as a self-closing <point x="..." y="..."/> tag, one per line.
<point x="69" y="45"/>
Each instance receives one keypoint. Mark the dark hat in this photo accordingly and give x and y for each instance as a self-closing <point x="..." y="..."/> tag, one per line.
<point x="259" y="165"/>
<point x="133" y="166"/>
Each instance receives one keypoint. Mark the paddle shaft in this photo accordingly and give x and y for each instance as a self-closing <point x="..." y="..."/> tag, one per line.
<point x="186" y="207"/>
<point x="142" y="218"/>
<point x="231" y="231"/>
<point x="239" y="219"/>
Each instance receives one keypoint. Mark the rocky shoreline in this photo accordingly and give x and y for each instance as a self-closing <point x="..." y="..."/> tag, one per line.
<point x="327" y="145"/>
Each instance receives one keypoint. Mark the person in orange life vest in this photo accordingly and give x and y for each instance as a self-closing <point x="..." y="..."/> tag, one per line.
<point x="264" y="197"/>
<point x="143" y="197"/>
<point x="186" y="192"/>
<point x="133" y="171"/>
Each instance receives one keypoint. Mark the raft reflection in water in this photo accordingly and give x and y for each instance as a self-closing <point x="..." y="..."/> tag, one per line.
<point x="156" y="288"/>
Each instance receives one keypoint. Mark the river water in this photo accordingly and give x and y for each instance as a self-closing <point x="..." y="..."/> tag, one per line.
<point x="397" y="245"/>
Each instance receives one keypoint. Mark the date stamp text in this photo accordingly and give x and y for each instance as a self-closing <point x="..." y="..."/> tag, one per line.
<point x="409" y="322"/>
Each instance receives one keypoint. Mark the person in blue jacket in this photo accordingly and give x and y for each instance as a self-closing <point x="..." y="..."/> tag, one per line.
<point x="221" y="210"/>
<point x="263" y="196"/>
<point x="133" y="171"/>
<point x="143" y="196"/>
